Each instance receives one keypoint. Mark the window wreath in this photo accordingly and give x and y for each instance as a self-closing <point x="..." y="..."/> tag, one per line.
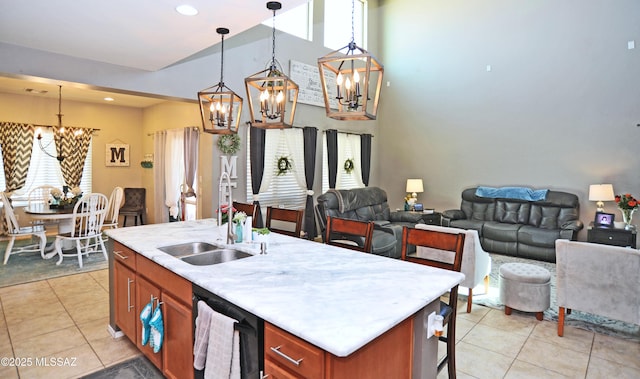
<point x="349" y="165"/>
<point x="284" y="165"/>
<point x="229" y="143"/>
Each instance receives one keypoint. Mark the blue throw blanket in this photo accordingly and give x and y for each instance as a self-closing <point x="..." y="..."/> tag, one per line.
<point x="521" y="193"/>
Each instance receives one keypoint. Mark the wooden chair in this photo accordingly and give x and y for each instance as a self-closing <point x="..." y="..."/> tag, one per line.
<point x="14" y="230"/>
<point x="113" y="210"/>
<point x="350" y="234"/>
<point x="292" y="217"/>
<point x="88" y="217"/>
<point x="39" y="195"/>
<point x="134" y="204"/>
<point x="449" y="248"/>
<point x="249" y="209"/>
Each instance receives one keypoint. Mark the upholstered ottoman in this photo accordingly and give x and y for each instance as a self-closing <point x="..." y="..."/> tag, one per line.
<point x="525" y="287"/>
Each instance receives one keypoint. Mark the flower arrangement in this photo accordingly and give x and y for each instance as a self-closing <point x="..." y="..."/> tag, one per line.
<point x="626" y="201"/>
<point x="284" y="165"/>
<point x="224" y="209"/>
<point x="239" y="217"/>
<point x="348" y="165"/>
<point x="62" y="199"/>
<point x="627" y="204"/>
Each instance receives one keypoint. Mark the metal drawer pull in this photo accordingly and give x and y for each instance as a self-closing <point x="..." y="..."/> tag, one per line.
<point x="285" y="356"/>
<point x="117" y="253"/>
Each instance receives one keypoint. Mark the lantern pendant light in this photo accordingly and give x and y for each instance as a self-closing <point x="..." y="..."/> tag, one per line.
<point x="356" y="74"/>
<point x="270" y="90"/>
<point x="220" y="107"/>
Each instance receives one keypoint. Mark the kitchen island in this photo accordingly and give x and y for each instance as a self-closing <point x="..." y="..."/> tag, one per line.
<point x="335" y="299"/>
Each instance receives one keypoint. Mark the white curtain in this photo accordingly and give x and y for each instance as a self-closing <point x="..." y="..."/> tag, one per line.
<point x="174" y="169"/>
<point x="271" y="142"/>
<point x="355" y="144"/>
<point x="159" y="145"/>
<point x="295" y="143"/>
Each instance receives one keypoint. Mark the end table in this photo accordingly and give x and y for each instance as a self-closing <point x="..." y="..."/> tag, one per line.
<point x="612" y="236"/>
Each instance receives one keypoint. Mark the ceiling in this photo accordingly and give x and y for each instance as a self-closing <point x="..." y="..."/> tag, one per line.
<point x="142" y="34"/>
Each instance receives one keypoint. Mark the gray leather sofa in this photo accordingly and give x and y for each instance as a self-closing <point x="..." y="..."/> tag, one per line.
<point x="368" y="204"/>
<point x="522" y="228"/>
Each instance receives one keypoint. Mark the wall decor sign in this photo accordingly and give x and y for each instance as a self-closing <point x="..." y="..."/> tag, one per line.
<point x="117" y="155"/>
<point x="307" y="77"/>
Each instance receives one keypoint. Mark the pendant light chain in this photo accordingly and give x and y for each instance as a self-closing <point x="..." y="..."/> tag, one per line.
<point x="273" y="41"/>
<point x="222" y="61"/>
<point x="353" y="22"/>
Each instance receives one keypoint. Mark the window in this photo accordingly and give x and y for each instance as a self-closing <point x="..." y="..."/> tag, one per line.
<point x="45" y="170"/>
<point x="337" y="23"/>
<point x="297" y="21"/>
<point x="288" y="190"/>
<point x="348" y="148"/>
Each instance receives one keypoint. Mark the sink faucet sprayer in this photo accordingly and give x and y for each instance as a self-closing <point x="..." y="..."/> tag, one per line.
<point x="231" y="237"/>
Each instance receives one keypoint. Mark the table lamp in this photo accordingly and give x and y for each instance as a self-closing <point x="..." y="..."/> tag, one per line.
<point x="600" y="193"/>
<point x="414" y="186"/>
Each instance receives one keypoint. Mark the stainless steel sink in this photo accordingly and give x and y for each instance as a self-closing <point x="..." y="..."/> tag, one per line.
<point x="220" y="255"/>
<point x="190" y="248"/>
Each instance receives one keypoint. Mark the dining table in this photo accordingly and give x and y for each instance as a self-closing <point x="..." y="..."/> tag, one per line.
<point x="63" y="216"/>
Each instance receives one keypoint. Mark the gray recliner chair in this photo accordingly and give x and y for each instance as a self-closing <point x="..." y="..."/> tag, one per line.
<point x="368" y="204"/>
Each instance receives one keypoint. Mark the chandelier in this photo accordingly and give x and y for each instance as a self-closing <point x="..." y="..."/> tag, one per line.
<point x="356" y="74"/>
<point x="220" y="107"/>
<point x="268" y="91"/>
<point x="60" y="131"/>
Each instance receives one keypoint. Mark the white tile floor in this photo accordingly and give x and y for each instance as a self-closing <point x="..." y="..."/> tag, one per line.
<point x="66" y="319"/>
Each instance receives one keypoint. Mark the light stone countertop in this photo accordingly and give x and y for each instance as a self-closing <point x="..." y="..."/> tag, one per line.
<point x="336" y="299"/>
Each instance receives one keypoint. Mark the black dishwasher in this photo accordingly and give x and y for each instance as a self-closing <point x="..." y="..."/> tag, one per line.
<point x="250" y="328"/>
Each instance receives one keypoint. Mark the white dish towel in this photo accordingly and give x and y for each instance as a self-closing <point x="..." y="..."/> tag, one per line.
<point x="217" y="344"/>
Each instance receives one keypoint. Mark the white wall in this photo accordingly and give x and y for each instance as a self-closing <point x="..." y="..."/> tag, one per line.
<point x="558" y="109"/>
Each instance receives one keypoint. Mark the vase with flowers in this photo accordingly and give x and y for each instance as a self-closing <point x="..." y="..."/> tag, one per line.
<point x="627" y="205"/>
<point x="238" y="219"/>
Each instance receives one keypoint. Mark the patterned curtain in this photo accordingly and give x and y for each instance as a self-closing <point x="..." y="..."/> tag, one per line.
<point x="17" y="144"/>
<point x="73" y="145"/>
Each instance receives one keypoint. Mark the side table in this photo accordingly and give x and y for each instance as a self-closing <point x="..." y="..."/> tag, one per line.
<point x="612" y="236"/>
<point x="434" y="218"/>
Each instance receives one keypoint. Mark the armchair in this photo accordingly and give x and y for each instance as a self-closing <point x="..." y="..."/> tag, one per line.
<point x="598" y="279"/>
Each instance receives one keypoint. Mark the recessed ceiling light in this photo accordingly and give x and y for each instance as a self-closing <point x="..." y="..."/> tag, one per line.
<point x="186" y="10"/>
<point x="36" y="91"/>
<point x="108" y="99"/>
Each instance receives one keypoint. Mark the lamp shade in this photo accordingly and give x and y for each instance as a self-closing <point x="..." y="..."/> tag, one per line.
<point x="415" y="185"/>
<point x="601" y="192"/>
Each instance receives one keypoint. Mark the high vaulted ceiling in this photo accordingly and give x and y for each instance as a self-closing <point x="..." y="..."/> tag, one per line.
<point x="143" y="34"/>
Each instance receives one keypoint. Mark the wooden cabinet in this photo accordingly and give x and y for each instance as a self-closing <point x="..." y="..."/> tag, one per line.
<point x="388" y="356"/>
<point x="138" y="281"/>
<point x="125" y="295"/>
<point x="124" y="267"/>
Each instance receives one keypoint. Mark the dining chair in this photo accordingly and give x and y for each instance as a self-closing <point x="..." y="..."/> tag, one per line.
<point x="249" y="209"/>
<point x="445" y="252"/>
<point x="350" y="234"/>
<point x="14" y="230"/>
<point x="287" y="221"/>
<point x="39" y="195"/>
<point x="88" y="217"/>
<point x="134" y="204"/>
<point x="113" y="210"/>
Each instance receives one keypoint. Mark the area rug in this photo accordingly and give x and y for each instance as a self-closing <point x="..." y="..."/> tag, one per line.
<point x="29" y="267"/>
<point x="577" y="319"/>
<point x="136" y="368"/>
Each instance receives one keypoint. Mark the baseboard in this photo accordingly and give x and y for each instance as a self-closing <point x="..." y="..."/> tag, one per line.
<point x="115" y="334"/>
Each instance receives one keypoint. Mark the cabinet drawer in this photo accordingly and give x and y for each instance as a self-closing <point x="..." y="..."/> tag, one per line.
<point x="170" y="282"/>
<point x="611" y="238"/>
<point x="286" y="350"/>
<point x="124" y="255"/>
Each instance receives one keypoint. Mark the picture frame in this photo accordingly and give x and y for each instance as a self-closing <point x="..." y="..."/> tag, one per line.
<point x="418" y="207"/>
<point x="604" y="220"/>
